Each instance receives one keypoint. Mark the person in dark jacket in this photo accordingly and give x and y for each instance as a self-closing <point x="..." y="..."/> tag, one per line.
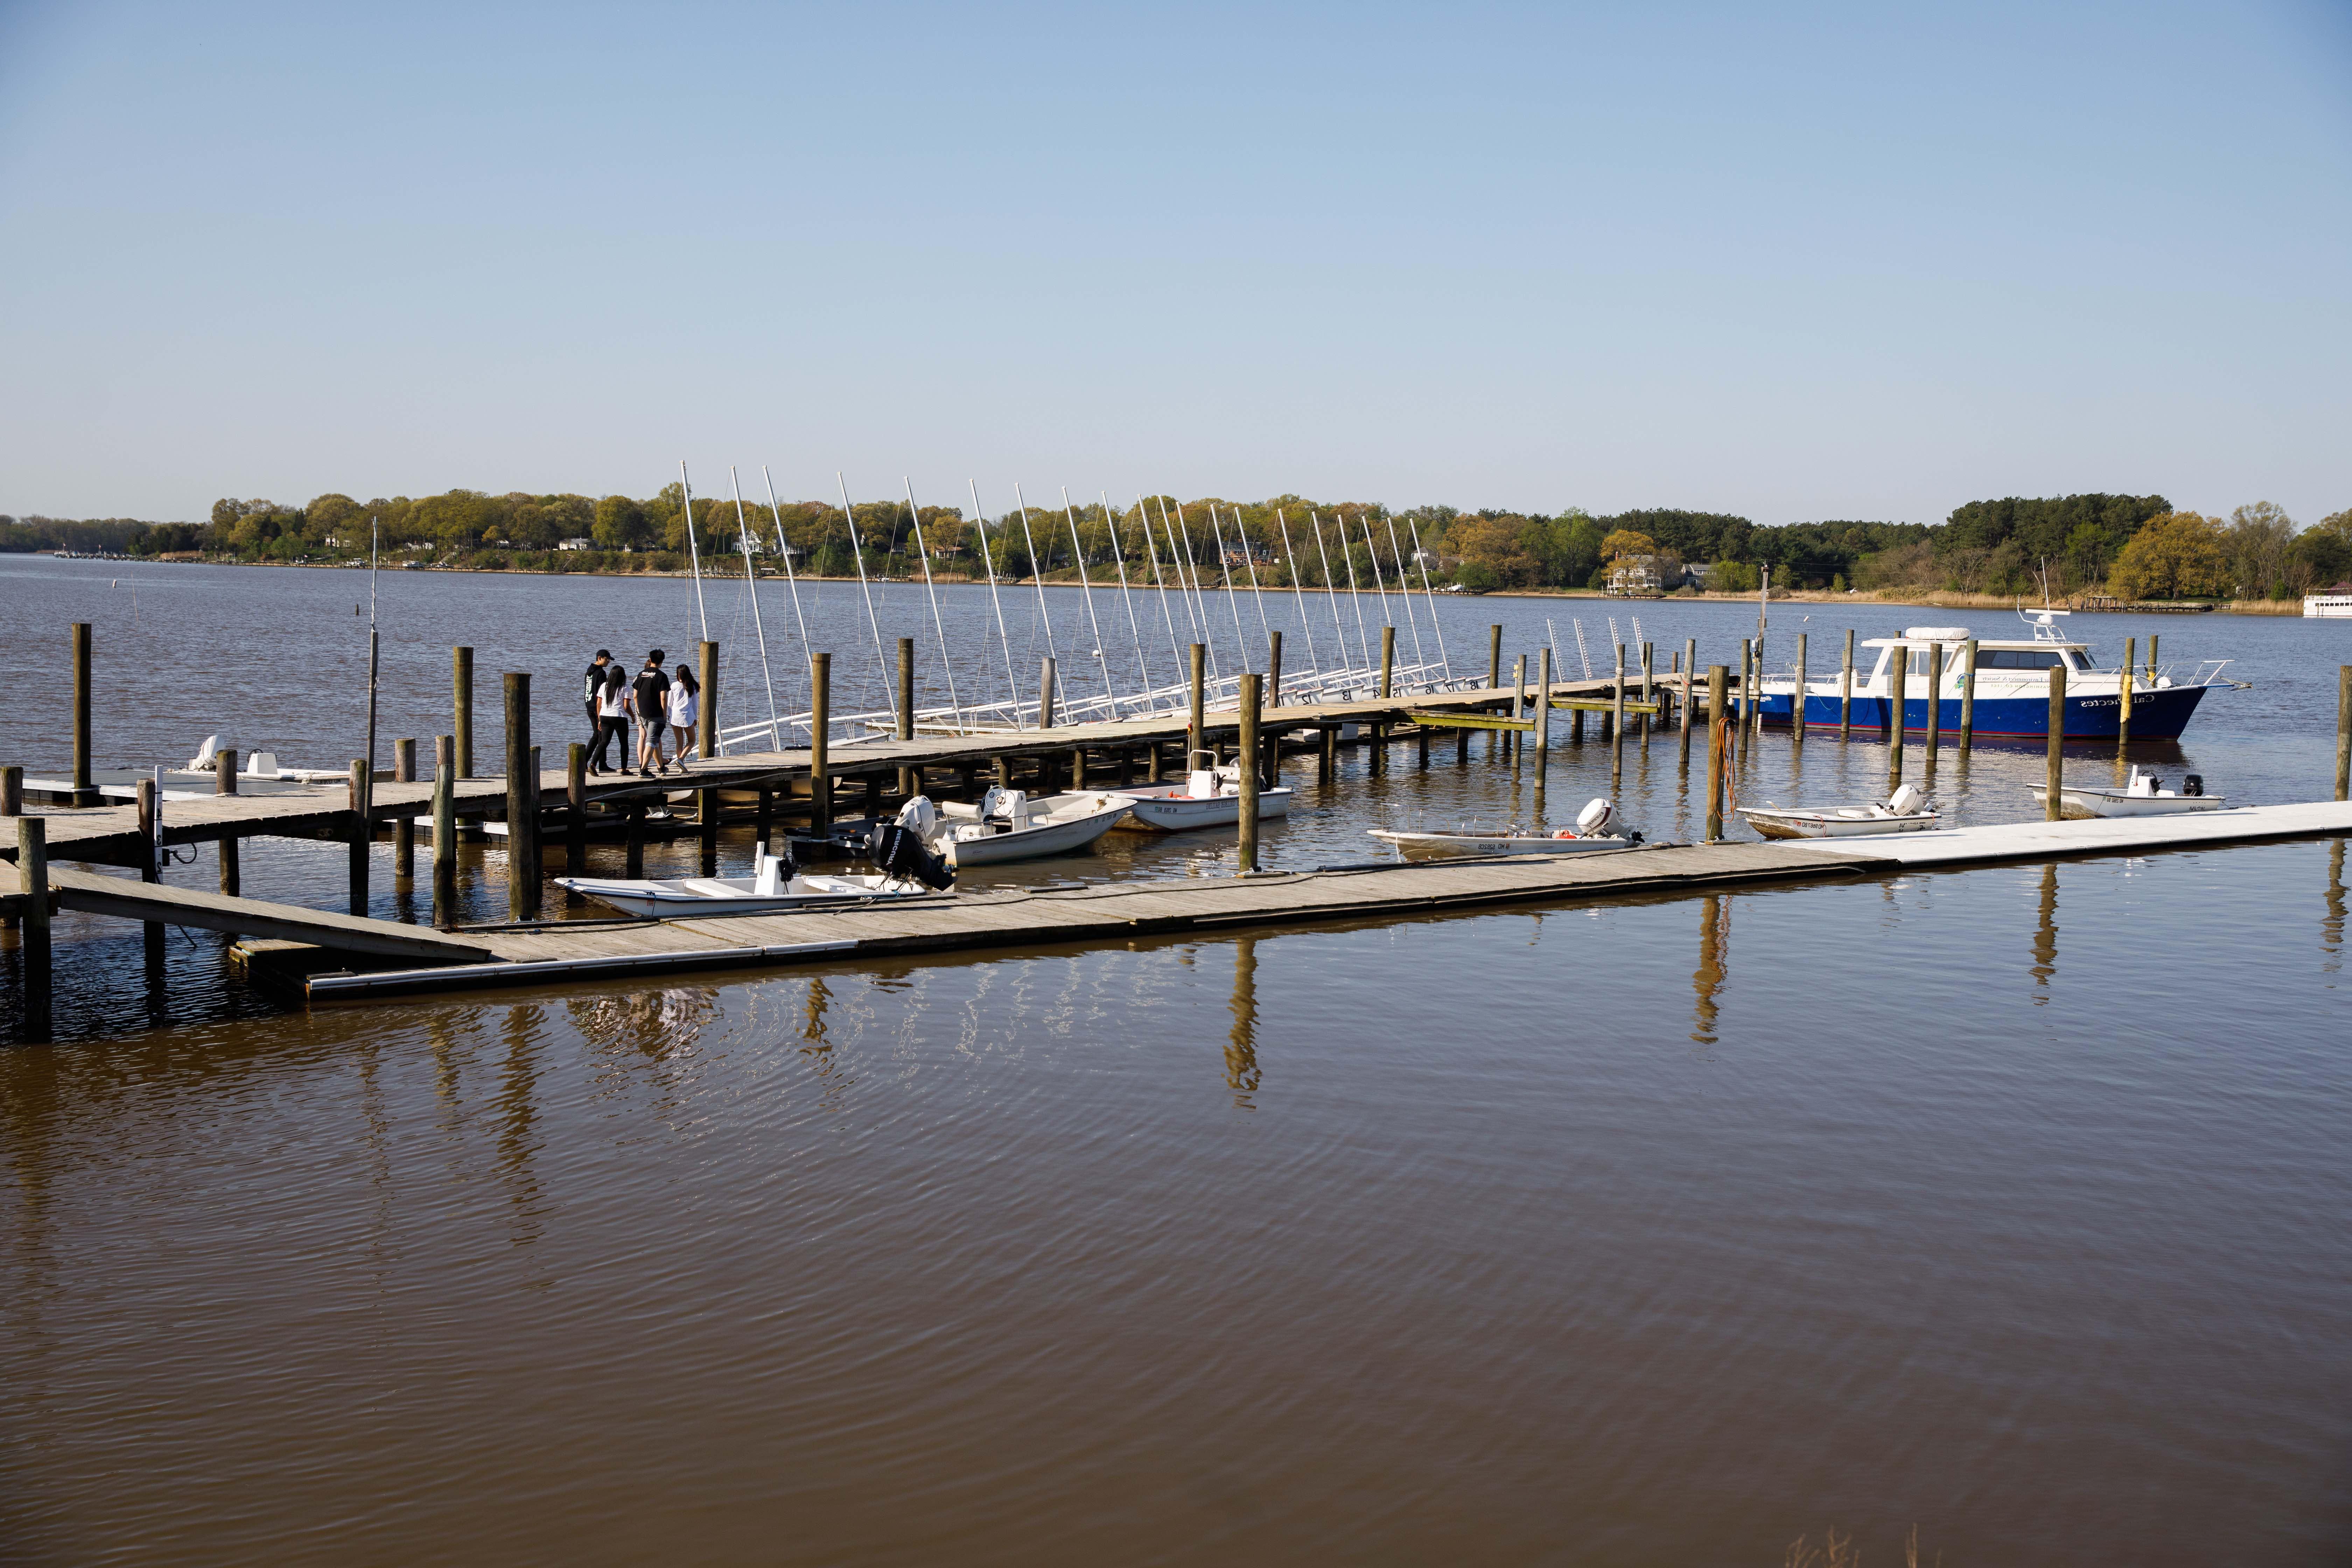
<point x="652" y="702"/>
<point x="592" y="688"/>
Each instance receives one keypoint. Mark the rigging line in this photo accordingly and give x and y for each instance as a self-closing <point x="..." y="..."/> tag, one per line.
<point x="1086" y="583"/>
<point x="1373" y="552"/>
<point x="1305" y="621"/>
<point x="1176" y="562"/>
<point x="1134" y="628"/>
<point x="1404" y="592"/>
<point x="1330" y="592"/>
<point x="694" y="553"/>
<point x="922" y="548"/>
<point x="1422" y="557"/>
<point x="987" y="559"/>
<point x="1355" y="595"/>
<point x="881" y="669"/>
<point x="751" y="584"/>
<point x="785" y="549"/>
<point x="1225" y="569"/>
<point x="1167" y="617"/>
<point x="1208" y="628"/>
<point x="1036" y="573"/>
<point x="1257" y="594"/>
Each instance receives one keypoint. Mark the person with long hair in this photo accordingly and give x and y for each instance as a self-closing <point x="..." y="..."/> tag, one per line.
<point x="611" y="710"/>
<point x="685" y="712"/>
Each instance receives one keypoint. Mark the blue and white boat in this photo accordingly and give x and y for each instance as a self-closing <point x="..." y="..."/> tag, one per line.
<point x="2012" y="685"/>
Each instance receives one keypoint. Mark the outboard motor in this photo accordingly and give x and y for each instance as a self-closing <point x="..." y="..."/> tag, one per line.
<point x="901" y="854"/>
<point x="1905" y="801"/>
<point x="2193" y="784"/>
<point x="921" y="815"/>
<point x="1594" y="819"/>
<point x="775" y="875"/>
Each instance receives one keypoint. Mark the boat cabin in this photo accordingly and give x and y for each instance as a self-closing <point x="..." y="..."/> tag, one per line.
<point x="2045" y="649"/>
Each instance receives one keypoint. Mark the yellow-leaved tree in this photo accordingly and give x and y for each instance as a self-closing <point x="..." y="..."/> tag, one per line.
<point x="2179" y="555"/>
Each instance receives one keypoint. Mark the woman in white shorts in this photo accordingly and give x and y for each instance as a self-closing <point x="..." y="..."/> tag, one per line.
<point x="685" y="711"/>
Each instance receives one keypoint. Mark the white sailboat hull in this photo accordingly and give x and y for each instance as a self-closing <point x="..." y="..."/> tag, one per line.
<point x="1061" y="836"/>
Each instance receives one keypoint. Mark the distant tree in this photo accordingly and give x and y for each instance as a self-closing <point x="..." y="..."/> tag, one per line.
<point x="2261" y="537"/>
<point x="2178" y="555"/>
<point x="1626" y="542"/>
<point x="2322" y="553"/>
<point x="621" y="525"/>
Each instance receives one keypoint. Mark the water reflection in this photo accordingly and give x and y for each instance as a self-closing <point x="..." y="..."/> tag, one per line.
<point x="518" y="1108"/>
<point x="1714" y="963"/>
<point x="1241" y="1046"/>
<point x="2331" y="925"/>
<point x="2045" y="936"/>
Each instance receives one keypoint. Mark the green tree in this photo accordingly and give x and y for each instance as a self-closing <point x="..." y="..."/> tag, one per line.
<point x="2260" y="538"/>
<point x="2178" y="555"/>
<point x="621" y="525"/>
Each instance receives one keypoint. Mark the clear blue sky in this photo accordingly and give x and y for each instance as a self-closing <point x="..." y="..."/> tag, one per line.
<point x="1858" y="262"/>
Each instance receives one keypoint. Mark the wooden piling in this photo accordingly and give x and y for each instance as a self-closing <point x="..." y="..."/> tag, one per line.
<point x="1649" y="686"/>
<point x="820" y="723"/>
<point x="1797" y="696"/>
<point x="404" y="832"/>
<point x="12" y="790"/>
<point x="33" y="940"/>
<point x="84" y="792"/>
<point x="575" y="809"/>
<point x="1739" y="704"/>
<point x="1617" y="710"/>
<point x="444" y="832"/>
<point x="1898" y="689"/>
<point x="1845" y="690"/>
<point x="1934" y="700"/>
<point x="2055" y="766"/>
<point x="2151" y="657"/>
<point x="1513" y="740"/>
<point x="1543" y="709"/>
<point x="1326" y="764"/>
<point x="1718" y="676"/>
<point x="1689" y="669"/>
<point x="1968" y="696"/>
<point x="1387" y="662"/>
<point x="1197" y="725"/>
<point x="2344" y="731"/>
<point x="2123" y="694"/>
<point x="705" y="701"/>
<point x="360" y="791"/>
<point x="522" y="802"/>
<point x="1274" y="669"/>
<point x="150" y="804"/>
<point x="908" y="786"/>
<point x="1494" y="657"/>
<point x="461" y="681"/>
<point x="1045" y="692"/>
<point x="1248" y="750"/>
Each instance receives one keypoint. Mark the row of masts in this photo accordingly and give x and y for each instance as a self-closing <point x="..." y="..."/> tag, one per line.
<point x="1186" y="616"/>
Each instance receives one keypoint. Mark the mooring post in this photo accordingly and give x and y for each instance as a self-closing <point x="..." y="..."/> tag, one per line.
<point x="1274" y="669"/>
<point x="1797" y="696"/>
<point x="633" y="841"/>
<point x="33" y="940"/>
<point x="2124" y="695"/>
<point x="1718" y="676"/>
<point x="1045" y="692"/>
<point x="1617" y="710"/>
<point x="2054" y="766"/>
<point x="84" y="792"/>
<point x="461" y="679"/>
<point x="12" y="790"/>
<point x="444" y="831"/>
<point x="575" y="811"/>
<point x="1967" y="695"/>
<point x="1326" y="764"/>
<point x="1741" y="703"/>
<point x="1197" y="727"/>
<point x="1845" y="690"/>
<point x="522" y="801"/>
<point x="1543" y="709"/>
<point x="1898" y="689"/>
<point x="908" y="785"/>
<point x="2344" y="731"/>
<point x="1247" y="749"/>
<point x="362" y="787"/>
<point x="403" y="831"/>
<point x="820" y="721"/>
<point x="705" y="701"/>
<point x="1387" y="662"/>
<point x="2151" y="657"/>
<point x="1689" y="669"/>
<point x="225" y="782"/>
<point x="1515" y="741"/>
<point x="1934" y="700"/>
<point x="150" y="804"/>
<point x="1649" y="684"/>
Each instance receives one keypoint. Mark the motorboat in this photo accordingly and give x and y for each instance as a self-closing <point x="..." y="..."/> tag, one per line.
<point x="2012" y="687"/>
<point x="259" y="767"/>
<point x="1904" y="811"/>
<point x="1007" y="824"/>
<point x="2143" y="794"/>
<point x="1593" y="830"/>
<point x="1209" y="797"/>
<point x="906" y="869"/>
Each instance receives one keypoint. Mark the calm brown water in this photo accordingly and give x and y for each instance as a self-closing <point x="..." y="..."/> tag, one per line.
<point x="2008" y="1202"/>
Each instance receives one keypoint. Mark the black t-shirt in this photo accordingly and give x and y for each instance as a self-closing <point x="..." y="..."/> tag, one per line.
<point x="653" y="690"/>
<point x="592" y="685"/>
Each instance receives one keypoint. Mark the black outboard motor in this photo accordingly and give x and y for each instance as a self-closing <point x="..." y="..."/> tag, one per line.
<point x="900" y="853"/>
<point x="2193" y="784"/>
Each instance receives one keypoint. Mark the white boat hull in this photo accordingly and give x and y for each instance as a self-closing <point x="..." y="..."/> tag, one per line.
<point x="1773" y="823"/>
<point x="701" y="898"/>
<point x="1173" y="811"/>
<point x="1493" y="843"/>
<point x="2087" y="803"/>
<point x="1062" y="835"/>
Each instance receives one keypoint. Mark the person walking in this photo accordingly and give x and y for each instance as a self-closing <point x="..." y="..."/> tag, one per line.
<point x="685" y="710"/>
<point x="611" y="720"/>
<point x="591" y="689"/>
<point x="651" y="695"/>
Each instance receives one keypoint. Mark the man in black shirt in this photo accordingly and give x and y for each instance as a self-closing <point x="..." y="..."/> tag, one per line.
<point x="592" y="685"/>
<point x="651" y="695"/>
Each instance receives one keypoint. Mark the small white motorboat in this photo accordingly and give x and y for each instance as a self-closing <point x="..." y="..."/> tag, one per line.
<point x="260" y="766"/>
<point x="1008" y="826"/>
<point x="1592" y="832"/>
<point x="1904" y="811"/>
<point x="1209" y="797"/>
<point x="774" y="890"/>
<point x="2143" y="795"/>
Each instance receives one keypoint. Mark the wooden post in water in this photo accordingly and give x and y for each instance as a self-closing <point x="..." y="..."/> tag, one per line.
<point x="461" y="681"/>
<point x="1649" y="685"/>
<point x="225" y="782"/>
<point x="150" y="804"/>
<point x="33" y="940"/>
<point x="575" y="810"/>
<point x="1543" y="709"/>
<point x="1797" y="696"/>
<point x="1387" y="662"/>
<point x="1274" y="671"/>
<point x="1327" y="765"/>
<point x="1617" y="713"/>
<point x="1196" y="727"/>
<point x="1898" y="687"/>
<point x="910" y="784"/>
<point x="820" y="721"/>
<point x="1494" y="657"/>
<point x="2151" y="657"/>
<point x="1515" y="739"/>
<point x="1251" y="761"/>
<point x="1967" y="697"/>
<point x="522" y="802"/>
<point x="404" y="832"/>
<point x="1934" y="700"/>
<point x="444" y="831"/>
<point x="705" y="701"/>
<point x="1718" y="676"/>
<point x="361" y="789"/>
<point x="12" y="790"/>
<point x="1045" y="692"/>
<point x="1689" y="667"/>
<point x="2124" y="695"/>
<point x="84" y="792"/>
<point x="1739" y="704"/>
<point x="2055" y="765"/>
<point x="2344" y="731"/>
<point x="1845" y="690"/>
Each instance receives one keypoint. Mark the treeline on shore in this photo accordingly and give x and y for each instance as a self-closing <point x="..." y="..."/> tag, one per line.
<point x="2136" y="547"/>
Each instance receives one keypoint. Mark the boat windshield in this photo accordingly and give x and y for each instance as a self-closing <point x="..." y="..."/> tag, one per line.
<point x="2018" y="658"/>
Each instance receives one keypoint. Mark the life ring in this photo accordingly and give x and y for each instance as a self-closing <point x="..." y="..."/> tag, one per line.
<point x="1565" y="833"/>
